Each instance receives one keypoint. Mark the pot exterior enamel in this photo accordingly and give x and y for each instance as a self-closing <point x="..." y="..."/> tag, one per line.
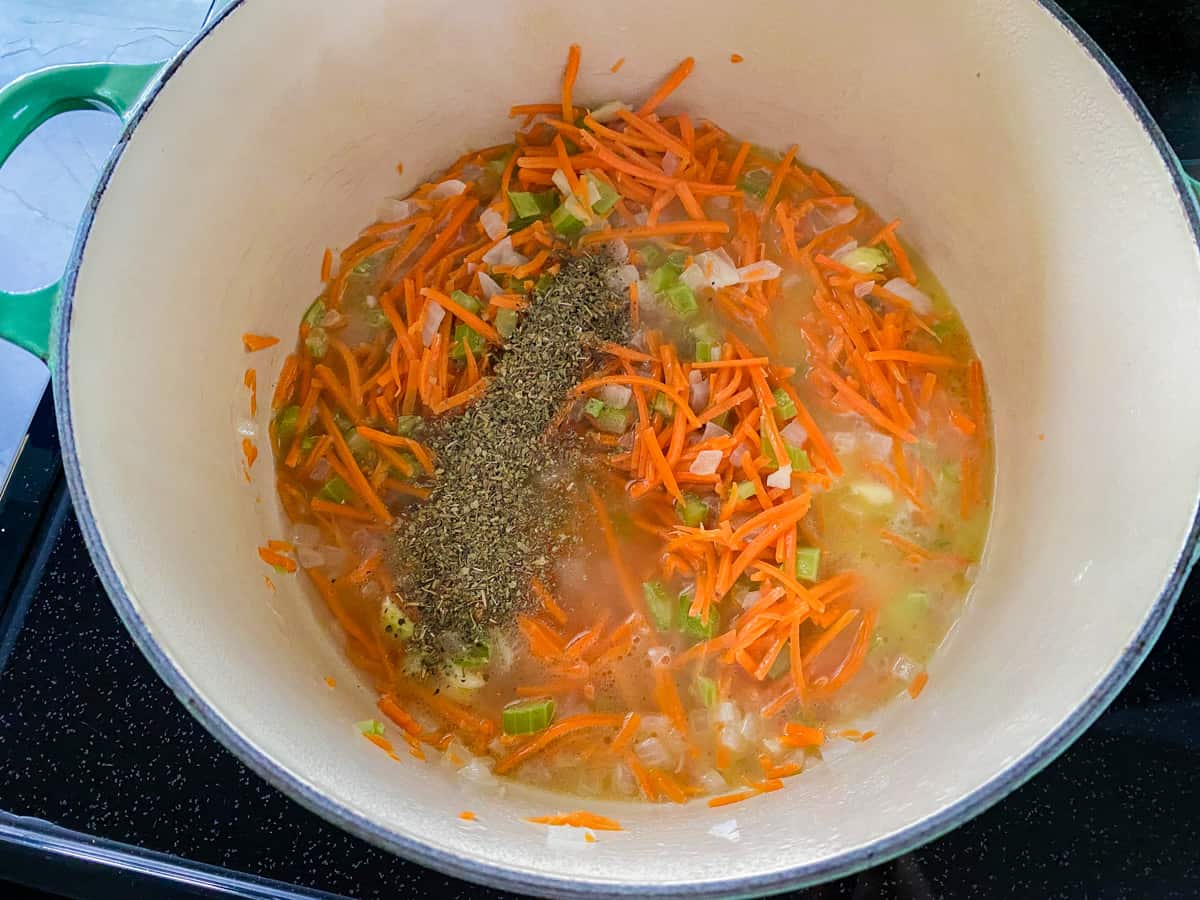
<point x="1029" y="178"/>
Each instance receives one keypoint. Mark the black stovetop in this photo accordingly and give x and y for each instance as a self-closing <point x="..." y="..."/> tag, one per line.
<point x="96" y="749"/>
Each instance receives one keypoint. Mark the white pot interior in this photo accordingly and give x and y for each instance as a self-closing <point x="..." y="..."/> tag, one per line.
<point x="1023" y="178"/>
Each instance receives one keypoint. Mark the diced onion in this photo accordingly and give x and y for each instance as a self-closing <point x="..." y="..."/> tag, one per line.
<point x="921" y="302"/>
<point x="763" y="270"/>
<point x="303" y="533"/>
<point x="616" y="395"/>
<point x="246" y="428"/>
<point x="503" y="254"/>
<point x="736" y="456"/>
<point x="627" y="275"/>
<point x="713" y="430"/>
<point x="873" y="492"/>
<point x="876" y="444"/>
<point x="670" y="164"/>
<point x="780" y="478"/>
<point x="693" y="277"/>
<point x="706" y="462"/>
<point x="698" y="395"/>
<point x="451" y="188"/>
<point x="493" y="224"/>
<point x="489" y="286"/>
<point x="652" y="752"/>
<point x="727" y="830"/>
<point x="609" y="112"/>
<point x="393" y="210"/>
<point x="750" y="598"/>
<point x="478" y="771"/>
<point x="434" y="314"/>
<point x="560" y="181"/>
<point x="717" y="270"/>
<point x="794" y="434"/>
<point x="822" y="219"/>
<point x="863" y="288"/>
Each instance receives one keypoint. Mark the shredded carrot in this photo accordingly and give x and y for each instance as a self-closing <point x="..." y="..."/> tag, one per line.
<point x="736" y="58"/>
<point x="727" y="799"/>
<point x="568" y="82"/>
<point x="616" y="67"/>
<point x="254" y="342"/>
<point x="908" y="356"/>
<point x="249" y="451"/>
<point x="330" y="681"/>
<point x="467" y="816"/>
<point x="668" y="87"/>
<point x="918" y="685"/>
<point x="555" y="731"/>
<point x="581" y="819"/>
<point x="279" y="561"/>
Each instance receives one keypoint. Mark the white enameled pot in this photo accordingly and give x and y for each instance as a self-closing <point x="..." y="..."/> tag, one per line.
<point x="1028" y="176"/>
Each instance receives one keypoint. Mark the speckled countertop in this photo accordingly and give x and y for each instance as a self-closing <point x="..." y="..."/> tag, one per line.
<point x="92" y="742"/>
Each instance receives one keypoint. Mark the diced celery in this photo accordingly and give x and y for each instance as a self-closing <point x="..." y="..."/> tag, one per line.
<point x="944" y="329"/>
<point x="808" y="563"/>
<point x="706" y="691"/>
<point x="524" y="204"/>
<point x="395" y="623"/>
<point x="314" y="313"/>
<point x="316" y="343"/>
<point x="664" y="276"/>
<point x="703" y="351"/>
<point x="608" y="195"/>
<point x="506" y="322"/>
<point x="706" y="331"/>
<point x="335" y="490"/>
<point x="695" y="626"/>
<point x="594" y="407"/>
<point x="307" y="442"/>
<point x="663" y="405"/>
<point x="782" y="664"/>
<point x="565" y="223"/>
<point x="360" y="447"/>
<point x="466" y="301"/>
<point x="285" y="424"/>
<point x="477" y="657"/>
<point x="370" y="726"/>
<point x="681" y="299"/>
<point x="865" y="259"/>
<point x="756" y="182"/>
<point x="652" y="255"/>
<point x="784" y="405"/>
<point x="745" y="490"/>
<point x="527" y="716"/>
<point x="692" y="511"/>
<point x="799" y="459"/>
<point x="408" y="425"/>
<point x="466" y="335"/>
<point x="722" y="421"/>
<point x="614" y="421"/>
<point x="660" y="605"/>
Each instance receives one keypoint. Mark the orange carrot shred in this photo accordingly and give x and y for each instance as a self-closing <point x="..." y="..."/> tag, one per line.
<point x="255" y="342"/>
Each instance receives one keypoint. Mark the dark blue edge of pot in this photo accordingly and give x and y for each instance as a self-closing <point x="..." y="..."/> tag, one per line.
<point x="524" y="882"/>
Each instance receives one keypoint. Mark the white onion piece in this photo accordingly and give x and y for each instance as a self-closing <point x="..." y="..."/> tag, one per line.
<point x="794" y="434"/>
<point x="303" y="533"/>
<point x="609" y="112"/>
<point x="434" y="314"/>
<point x="392" y="210"/>
<point x="698" y="395"/>
<point x="873" y="492"/>
<point x="863" y="289"/>
<point x="670" y="164"/>
<point x="503" y="254"/>
<point x="750" y="598"/>
<point x="560" y="181"/>
<point x="720" y="201"/>
<point x="493" y="224"/>
<point x="843" y="441"/>
<point x="736" y="456"/>
<point x="478" y="771"/>
<point x="824" y="218"/>
<point x="713" y="430"/>
<point x="693" y="277"/>
<point x="616" y="395"/>
<point x="321" y="470"/>
<point x="627" y="275"/>
<point x="246" y="428"/>
<point x="717" y="270"/>
<point x="593" y="192"/>
<point x="920" y="301"/>
<point x="309" y="557"/>
<point x="652" y="752"/>
<point x="447" y="189"/>
<point x="641" y="217"/>
<point x="780" y="478"/>
<point x="489" y="286"/>
<point x="727" y="829"/>
<point x="763" y="270"/>
<point x="706" y="462"/>
<point x="876" y="444"/>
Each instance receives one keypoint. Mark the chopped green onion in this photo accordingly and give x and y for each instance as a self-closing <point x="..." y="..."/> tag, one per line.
<point x="315" y="313"/>
<point x="745" y="490"/>
<point x="681" y="299"/>
<point x="527" y="716"/>
<point x="797" y="458"/>
<point x="466" y="335"/>
<point x="408" y="425"/>
<point x="370" y="726"/>
<point x="784" y="405"/>
<point x="533" y="206"/>
<point x="692" y="511"/>
<point x="608" y="195"/>
<point x="706" y="691"/>
<point x="466" y="300"/>
<point x="659" y="604"/>
<point x="285" y="424"/>
<point x="695" y="626"/>
<point x="335" y="490"/>
<point x="475" y="658"/>
<point x="663" y="405"/>
<point x="594" y="407"/>
<point x="564" y="222"/>
<point x="864" y="259"/>
<point x="316" y="342"/>
<point x="394" y="621"/>
<point x="808" y="563"/>
<point x="506" y="321"/>
<point x="614" y="421"/>
<point x="756" y="182"/>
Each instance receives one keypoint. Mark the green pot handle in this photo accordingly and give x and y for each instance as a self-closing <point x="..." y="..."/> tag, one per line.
<point x="24" y="105"/>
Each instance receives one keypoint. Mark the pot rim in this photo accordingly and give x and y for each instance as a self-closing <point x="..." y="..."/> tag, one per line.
<point x="483" y="872"/>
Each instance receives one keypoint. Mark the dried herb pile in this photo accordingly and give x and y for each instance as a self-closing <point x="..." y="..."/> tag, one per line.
<point x="465" y="558"/>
